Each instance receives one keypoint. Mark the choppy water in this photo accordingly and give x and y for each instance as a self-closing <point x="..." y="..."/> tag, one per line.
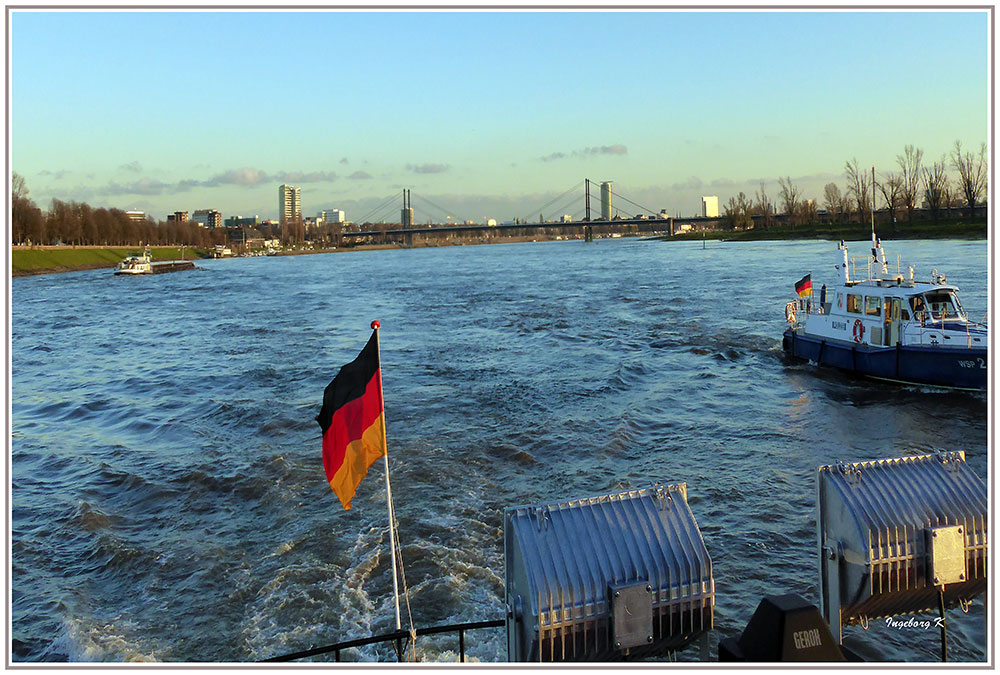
<point x="169" y="501"/>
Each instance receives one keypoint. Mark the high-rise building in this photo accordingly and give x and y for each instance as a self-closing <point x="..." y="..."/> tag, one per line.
<point x="178" y="217"/>
<point x="606" y="200"/>
<point x="208" y="218"/>
<point x="239" y="221"/>
<point x="136" y="216"/>
<point x="710" y="207"/>
<point x="289" y="203"/>
<point x="333" y="216"/>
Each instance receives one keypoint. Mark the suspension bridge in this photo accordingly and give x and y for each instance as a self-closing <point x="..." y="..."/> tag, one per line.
<point x="588" y="208"/>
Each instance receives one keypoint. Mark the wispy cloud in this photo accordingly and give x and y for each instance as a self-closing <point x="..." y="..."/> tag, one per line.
<point x="133" y="166"/>
<point x="58" y="175"/>
<point x="247" y="177"/>
<point x="360" y="175"/>
<point x="617" y="149"/>
<point x="344" y="160"/>
<point x="427" y="168"/>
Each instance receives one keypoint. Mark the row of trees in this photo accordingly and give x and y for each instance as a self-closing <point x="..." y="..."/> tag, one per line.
<point x="912" y="186"/>
<point x="77" y="223"/>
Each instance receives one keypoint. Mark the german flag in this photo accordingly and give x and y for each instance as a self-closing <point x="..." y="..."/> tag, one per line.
<point x="804" y="286"/>
<point x="353" y="422"/>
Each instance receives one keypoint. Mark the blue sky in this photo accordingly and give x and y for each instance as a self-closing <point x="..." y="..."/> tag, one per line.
<point x="484" y="113"/>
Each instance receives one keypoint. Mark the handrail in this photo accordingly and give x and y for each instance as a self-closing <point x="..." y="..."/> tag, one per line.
<point x="393" y="636"/>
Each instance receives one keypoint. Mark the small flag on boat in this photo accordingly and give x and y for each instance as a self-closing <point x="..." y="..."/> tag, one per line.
<point x="353" y="422"/>
<point x="804" y="286"/>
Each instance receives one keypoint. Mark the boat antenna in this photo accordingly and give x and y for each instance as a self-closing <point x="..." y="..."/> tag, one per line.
<point x="873" y="204"/>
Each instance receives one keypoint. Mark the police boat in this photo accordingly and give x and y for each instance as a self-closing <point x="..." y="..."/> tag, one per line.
<point x="880" y="324"/>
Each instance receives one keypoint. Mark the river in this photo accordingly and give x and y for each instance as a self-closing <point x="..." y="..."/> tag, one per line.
<point x="168" y="496"/>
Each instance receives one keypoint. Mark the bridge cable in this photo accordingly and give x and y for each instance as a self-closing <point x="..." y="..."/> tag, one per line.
<point x="644" y="208"/>
<point x="441" y="209"/>
<point x="547" y="205"/>
<point x="387" y="201"/>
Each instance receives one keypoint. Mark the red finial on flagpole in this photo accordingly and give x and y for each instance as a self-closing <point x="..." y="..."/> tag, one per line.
<point x="375" y="325"/>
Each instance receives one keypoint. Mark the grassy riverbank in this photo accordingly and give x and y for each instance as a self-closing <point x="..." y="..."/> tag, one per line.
<point x="42" y="260"/>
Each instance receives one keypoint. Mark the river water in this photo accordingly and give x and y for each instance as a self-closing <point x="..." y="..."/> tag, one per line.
<point x="169" y="501"/>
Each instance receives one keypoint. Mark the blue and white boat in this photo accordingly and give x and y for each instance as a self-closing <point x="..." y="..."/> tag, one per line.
<point x="879" y="323"/>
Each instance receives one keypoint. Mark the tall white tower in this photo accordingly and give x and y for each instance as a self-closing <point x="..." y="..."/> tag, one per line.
<point x="606" y="200"/>
<point x="289" y="203"/>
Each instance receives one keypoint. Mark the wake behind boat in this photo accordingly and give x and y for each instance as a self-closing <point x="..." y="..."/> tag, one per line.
<point x="880" y="324"/>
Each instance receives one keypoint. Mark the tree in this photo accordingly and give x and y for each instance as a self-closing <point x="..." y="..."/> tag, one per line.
<point x="935" y="182"/>
<point x="762" y="205"/>
<point x="833" y="201"/>
<point x="858" y="185"/>
<point x="807" y="212"/>
<point x="891" y="189"/>
<point x="910" y="178"/>
<point x="738" y="211"/>
<point x="789" y="197"/>
<point x="27" y="223"/>
<point x="971" y="173"/>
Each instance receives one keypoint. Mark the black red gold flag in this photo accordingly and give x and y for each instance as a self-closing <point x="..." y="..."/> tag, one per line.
<point x="804" y="286"/>
<point x="353" y="422"/>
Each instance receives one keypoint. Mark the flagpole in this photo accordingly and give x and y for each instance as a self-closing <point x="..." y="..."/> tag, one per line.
<point x="388" y="486"/>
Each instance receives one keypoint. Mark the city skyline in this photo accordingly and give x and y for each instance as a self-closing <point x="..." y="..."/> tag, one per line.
<point x="489" y="114"/>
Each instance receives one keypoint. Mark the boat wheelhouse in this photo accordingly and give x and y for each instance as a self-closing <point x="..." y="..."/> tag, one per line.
<point x="883" y="324"/>
<point x="135" y="264"/>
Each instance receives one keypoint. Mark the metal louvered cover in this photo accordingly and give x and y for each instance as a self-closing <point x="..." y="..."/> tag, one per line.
<point x="606" y="577"/>
<point x="877" y="525"/>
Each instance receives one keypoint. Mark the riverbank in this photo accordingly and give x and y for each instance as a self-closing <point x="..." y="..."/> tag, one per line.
<point x="45" y="260"/>
<point x="51" y="259"/>
<point x="954" y="229"/>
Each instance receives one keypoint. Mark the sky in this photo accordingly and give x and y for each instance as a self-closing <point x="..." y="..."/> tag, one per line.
<point x="480" y="114"/>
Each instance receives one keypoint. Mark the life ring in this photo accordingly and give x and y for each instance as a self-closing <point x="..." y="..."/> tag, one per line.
<point x="859" y="330"/>
<point x="790" y="312"/>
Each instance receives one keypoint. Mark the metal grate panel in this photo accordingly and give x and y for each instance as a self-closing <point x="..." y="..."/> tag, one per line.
<point x="564" y="561"/>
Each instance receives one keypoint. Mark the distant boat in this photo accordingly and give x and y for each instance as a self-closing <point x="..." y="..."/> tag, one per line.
<point x="144" y="264"/>
<point x="889" y="327"/>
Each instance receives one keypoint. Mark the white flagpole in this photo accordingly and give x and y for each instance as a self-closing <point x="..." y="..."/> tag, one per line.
<point x="388" y="487"/>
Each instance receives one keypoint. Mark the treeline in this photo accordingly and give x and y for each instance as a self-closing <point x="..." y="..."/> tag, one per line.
<point x="77" y="223"/>
<point x="913" y="185"/>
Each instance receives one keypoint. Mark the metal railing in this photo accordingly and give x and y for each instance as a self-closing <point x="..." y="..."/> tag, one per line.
<point x="396" y="636"/>
<point x="871" y="264"/>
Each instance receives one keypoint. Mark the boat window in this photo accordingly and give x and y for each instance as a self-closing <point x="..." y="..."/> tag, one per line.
<point x="854" y="304"/>
<point x="873" y="305"/>
<point x="943" y="305"/>
<point x="904" y="314"/>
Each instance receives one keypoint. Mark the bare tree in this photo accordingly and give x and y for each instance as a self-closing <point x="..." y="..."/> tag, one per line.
<point x="738" y="212"/>
<point x="833" y="201"/>
<point x="763" y="205"/>
<point x="891" y="188"/>
<point x="858" y="185"/>
<point x="935" y="182"/>
<point x="910" y="178"/>
<point x="806" y="210"/>
<point x="789" y="197"/>
<point x="971" y="173"/>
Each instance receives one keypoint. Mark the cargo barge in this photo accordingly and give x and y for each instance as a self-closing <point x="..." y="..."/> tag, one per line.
<point x="144" y="264"/>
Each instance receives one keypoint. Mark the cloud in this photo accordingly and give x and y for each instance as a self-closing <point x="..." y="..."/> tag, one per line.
<point x="617" y="149"/>
<point x="344" y="161"/>
<point x="58" y="175"/>
<point x="360" y="175"/>
<point x="245" y="176"/>
<point x="303" y="177"/>
<point x="692" y="183"/>
<point x="144" y="186"/>
<point x="606" y="150"/>
<point x="427" y="168"/>
<point x="133" y="166"/>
